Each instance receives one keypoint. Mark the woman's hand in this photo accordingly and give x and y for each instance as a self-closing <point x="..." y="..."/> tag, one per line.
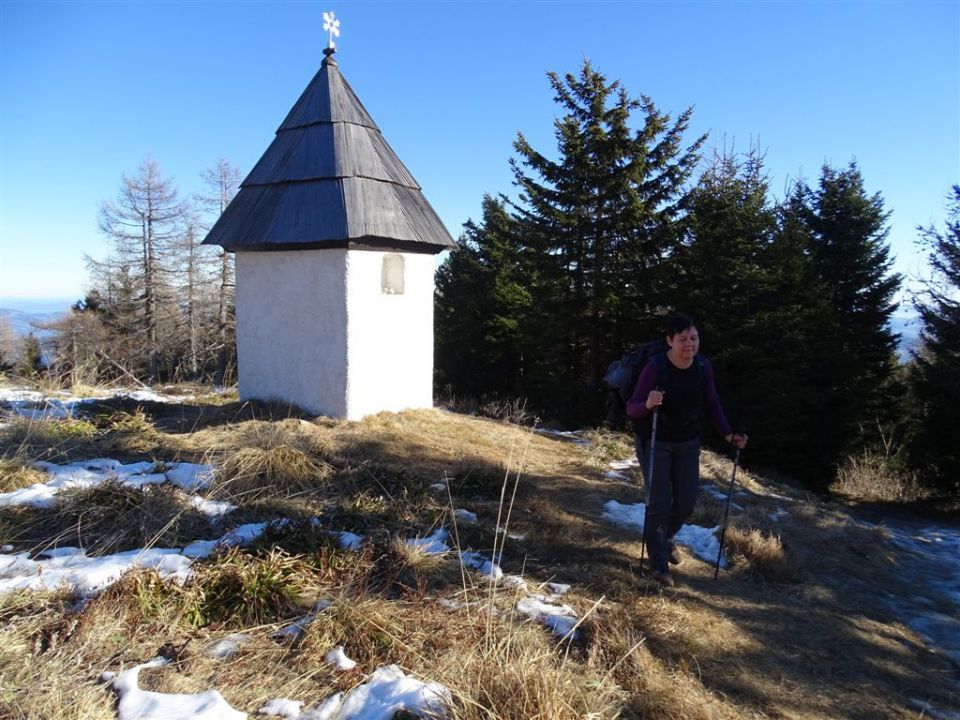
<point x="737" y="440"/>
<point x="654" y="399"/>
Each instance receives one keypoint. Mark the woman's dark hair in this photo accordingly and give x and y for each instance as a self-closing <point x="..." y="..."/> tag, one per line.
<point x="678" y="323"/>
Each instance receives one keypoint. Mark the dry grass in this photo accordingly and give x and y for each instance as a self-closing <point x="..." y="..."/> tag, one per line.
<point x="875" y="477"/>
<point x="278" y="471"/>
<point x="796" y="628"/>
<point x="15" y="474"/>
<point x="108" y="518"/>
<point x="763" y="554"/>
<point x="240" y="590"/>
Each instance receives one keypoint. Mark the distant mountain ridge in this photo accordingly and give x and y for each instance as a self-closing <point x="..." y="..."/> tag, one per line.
<point x="908" y="328"/>
<point x="24" y="314"/>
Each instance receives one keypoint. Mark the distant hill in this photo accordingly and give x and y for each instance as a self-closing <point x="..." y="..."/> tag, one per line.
<point x="25" y="314"/>
<point x="908" y="327"/>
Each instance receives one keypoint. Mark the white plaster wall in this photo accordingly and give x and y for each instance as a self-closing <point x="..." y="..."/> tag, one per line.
<point x="292" y="328"/>
<point x="389" y="337"/>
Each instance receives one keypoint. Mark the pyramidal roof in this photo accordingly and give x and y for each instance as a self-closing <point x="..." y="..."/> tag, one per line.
<point x="329" y="180"/>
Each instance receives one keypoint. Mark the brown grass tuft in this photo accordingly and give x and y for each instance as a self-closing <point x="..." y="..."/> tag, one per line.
<point x="112" y="517"/>
<point x="280" y="471"/>
<point x="15" y="475"/>
<point x="875" y="477"/>
<point x="239" y="590"/>
<point x="765" y="555"/>
<point x="52" y="439"/>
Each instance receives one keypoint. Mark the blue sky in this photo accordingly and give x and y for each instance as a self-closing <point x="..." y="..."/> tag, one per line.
<point x="88" y="90"/>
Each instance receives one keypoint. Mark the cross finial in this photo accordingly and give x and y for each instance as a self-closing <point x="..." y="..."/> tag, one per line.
<point x="332" y="26"/>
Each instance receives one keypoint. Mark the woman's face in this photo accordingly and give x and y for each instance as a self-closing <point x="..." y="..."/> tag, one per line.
<point x="685" y="344"/>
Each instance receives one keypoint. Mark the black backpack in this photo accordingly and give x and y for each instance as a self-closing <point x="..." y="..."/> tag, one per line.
<point x="621" y="378"/>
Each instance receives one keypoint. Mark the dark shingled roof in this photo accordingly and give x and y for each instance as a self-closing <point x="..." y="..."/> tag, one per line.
<point x="329" y="180"/>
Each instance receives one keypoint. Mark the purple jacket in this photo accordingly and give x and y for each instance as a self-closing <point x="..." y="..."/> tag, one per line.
<point x="647" y="381"/>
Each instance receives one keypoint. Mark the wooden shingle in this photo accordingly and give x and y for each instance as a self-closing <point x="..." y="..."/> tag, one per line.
<point x="329" y="179"/>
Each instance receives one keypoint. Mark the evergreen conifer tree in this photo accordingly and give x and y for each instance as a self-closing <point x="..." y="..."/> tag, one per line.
<point x="935" y="374"/>
<point x="482" y="307"/>
<point x="853" y="354"/>
<point x="30" y="363"/>
<point x="748" y="283"/>
<point x="598" y="221"/>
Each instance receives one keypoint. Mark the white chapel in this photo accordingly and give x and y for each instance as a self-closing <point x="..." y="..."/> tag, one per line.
<point x="335" y="249"/>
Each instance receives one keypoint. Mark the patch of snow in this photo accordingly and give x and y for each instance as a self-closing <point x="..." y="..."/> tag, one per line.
<point x="933" y="561"/>
<point x="718" y="494"/>
<point x="338" y="658"/>
<point x="228" y="646"/>
<point x="349" y="540"/>
<point x="465" y="516"/>
<point x="932" y="712"/>
<point x="85" y="575"/>
<point x="514" y="581"/>
<point x="190" y="476"/>
<point x="559" y="618"/>
<point x="91" y="473"/>
<point x="387" y="692"/>
<point x="703" y="542"/>
<point x="137" y="704"/>
<point x="297" y="627"/>
<point x="575" y="436"/>
<point x="287" y="709"/>
<point x="477" y="561"/>
<point x="211" y="508"/>
<point x="432" y="544"/>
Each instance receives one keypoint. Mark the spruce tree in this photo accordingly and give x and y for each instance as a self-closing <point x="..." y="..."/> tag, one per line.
<point x="935" y="374"/>
<point x="748" y="283"/>
<point x="598" y="221"/>
<point x="853" y="355"/>
<point x="482" y="308"/>
<point x="30" y="364"/>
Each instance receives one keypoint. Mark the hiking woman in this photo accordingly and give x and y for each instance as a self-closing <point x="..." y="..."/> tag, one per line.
<point x="679" y="385"/>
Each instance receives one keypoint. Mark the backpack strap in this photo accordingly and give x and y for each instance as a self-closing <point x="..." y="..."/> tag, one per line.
<point x="660" y="360"/>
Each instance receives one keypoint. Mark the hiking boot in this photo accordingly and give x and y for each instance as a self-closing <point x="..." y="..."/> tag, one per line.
<point x="673" y="556"/>
<point x="664" y="578"/>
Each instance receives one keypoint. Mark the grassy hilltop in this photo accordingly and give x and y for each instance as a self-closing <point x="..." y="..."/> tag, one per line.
<point x="798" y="626"/>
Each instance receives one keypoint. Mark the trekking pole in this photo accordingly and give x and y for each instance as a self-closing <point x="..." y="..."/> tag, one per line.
<point x="726" y="512"/>
<point x="646" y="507"/>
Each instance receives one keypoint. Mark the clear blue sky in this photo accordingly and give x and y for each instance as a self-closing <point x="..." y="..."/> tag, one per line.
<point x="88" y="90"/>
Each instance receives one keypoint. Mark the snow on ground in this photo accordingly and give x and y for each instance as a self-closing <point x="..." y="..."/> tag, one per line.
<point x="36" y="406"/>
<point x="931" y="560"/>
<point x="703" y="542"/>
<point x="386" y="692"/>
<point x="91" y="473"/>
<point x="575" y="436"/>
<point x="137" y="704"/>
<point x="931" y="555"/>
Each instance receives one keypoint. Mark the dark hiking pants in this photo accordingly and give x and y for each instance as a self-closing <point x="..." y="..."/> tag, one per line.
<point x="671" y="495"/>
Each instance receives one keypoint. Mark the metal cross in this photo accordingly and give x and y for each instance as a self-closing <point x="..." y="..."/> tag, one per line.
<point x="331" y="25"/>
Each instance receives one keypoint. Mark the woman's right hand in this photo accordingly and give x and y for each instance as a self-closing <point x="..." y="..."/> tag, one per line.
<point x="654" y="399"/>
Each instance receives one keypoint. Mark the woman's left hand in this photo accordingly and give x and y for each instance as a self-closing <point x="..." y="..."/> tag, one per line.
<point x="738" y="440"/>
